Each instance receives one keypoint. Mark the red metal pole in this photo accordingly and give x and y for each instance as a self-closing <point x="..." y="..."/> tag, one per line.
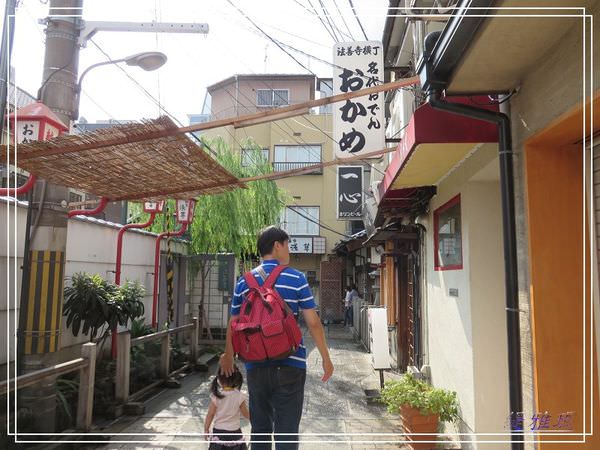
<point x="157" y="268"/>
<point x="120" y="243"/>
<point x="13" y="192"/>
<point x="118" y="266"/>
<point x="89" y="212"/>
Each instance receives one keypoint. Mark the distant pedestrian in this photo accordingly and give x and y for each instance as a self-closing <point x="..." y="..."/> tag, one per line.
<point x="276" y="386"/>
<point x="227" y="404"/>
<point x="351" y="297"/>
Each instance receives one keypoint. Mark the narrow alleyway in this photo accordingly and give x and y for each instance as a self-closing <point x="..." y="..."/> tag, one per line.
<point x="338" y="406"/>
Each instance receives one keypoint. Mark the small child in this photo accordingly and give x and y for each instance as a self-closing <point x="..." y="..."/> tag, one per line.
<point x="226" y="404"/>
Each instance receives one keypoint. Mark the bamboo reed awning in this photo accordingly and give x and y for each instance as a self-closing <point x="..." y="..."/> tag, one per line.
<point x="171" y="165"/>
<point x="155" y="159"/>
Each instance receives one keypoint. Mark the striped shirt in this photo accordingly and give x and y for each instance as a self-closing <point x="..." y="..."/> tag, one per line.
<point x="293" y="288"/>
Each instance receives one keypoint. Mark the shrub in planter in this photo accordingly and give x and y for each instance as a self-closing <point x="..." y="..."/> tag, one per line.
<point x="421" y="407"/>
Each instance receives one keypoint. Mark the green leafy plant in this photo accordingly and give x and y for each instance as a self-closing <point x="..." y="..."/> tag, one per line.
<point x="418" y="394"/>
<point x="67" y="390"/>
<point x="89" y="301"/>
<point x="93" y="304"/>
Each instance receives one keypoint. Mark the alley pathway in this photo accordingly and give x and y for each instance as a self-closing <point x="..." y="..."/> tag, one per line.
<point x="338" y="406"/>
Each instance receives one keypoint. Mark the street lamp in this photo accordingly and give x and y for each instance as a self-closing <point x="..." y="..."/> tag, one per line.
<point x="147" y="60"/>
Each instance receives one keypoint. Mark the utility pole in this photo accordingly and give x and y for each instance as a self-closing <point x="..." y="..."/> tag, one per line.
<point x="61" y="60"/>
<point x="8" y="33"/>
<point x="46" y="228"/>
<point x="57" y="91"/>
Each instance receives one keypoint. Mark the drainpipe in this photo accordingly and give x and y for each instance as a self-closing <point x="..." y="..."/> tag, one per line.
<point x="89" y="212"/>
<point x="13" y="192"/>
<point x="510" y="244"/>
<point x="157" y="268"/>
<point x="433" y="82"/>
<point x="122" y="231"/>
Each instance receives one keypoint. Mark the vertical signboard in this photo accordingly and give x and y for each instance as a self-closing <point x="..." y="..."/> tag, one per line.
<point x="378" y="336"/>
<point x="349" y="192"/>
<point x="358" y="123"/>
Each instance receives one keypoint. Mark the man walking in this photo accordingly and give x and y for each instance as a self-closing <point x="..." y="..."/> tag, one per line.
<point x="351" y="297"/>
<point x="276" y="387"/>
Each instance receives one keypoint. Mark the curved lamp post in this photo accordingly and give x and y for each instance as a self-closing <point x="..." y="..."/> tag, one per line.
<point x="148" y="61"/>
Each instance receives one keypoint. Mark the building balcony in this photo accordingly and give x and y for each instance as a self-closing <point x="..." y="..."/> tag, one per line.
<point x="284" y="166"/>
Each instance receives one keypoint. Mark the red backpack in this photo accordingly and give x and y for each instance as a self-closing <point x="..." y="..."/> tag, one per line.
<point x="266" y="327"/>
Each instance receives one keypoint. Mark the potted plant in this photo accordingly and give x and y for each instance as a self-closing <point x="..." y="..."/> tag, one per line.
<point x="421" y="406"/>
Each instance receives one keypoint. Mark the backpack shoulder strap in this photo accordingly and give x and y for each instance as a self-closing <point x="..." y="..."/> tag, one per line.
<point x="272" y="278"/>
<point x="250" y="280"/>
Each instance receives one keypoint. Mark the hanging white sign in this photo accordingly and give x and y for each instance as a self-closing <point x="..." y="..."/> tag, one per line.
<point x="358" y="123"/>
<point x="301" y="245"/>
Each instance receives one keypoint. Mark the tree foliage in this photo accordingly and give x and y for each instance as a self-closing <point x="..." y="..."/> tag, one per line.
<point x="228" y="222"/>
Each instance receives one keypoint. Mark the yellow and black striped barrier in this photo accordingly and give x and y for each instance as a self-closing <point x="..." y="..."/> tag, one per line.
<point x="44" y="302"/>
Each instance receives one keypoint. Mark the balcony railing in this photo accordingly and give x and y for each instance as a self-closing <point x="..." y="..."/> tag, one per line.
<point x="283" y="166"/>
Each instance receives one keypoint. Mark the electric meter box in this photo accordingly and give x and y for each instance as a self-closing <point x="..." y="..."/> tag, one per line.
<point x="378" y="335"/>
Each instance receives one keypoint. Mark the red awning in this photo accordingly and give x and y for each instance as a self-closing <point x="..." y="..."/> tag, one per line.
<point x="434" y="142"/>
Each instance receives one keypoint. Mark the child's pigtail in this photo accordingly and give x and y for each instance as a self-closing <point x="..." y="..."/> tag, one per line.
<point x="214" y="388"/>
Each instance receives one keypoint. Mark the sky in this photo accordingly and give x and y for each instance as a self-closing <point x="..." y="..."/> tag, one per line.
<point x="233" y="45"/>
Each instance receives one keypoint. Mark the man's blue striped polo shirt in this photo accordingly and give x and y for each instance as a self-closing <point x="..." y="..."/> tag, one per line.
<point x="293" y="288"/>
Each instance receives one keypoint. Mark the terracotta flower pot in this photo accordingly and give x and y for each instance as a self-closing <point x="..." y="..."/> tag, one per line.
<point x="415" y="422"/>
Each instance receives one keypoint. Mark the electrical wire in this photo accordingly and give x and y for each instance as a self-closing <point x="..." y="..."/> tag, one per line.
<point x="150" y="96"/>
<point x="322" y="21"/>
<point x="357" y="19"/>
<point x="312" y="219"/>
<point x="270" y="38"/>
<point x="329" y="20"/>
<point x="344" y="20"/>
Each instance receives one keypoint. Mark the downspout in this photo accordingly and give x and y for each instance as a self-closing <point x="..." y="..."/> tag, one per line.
<point x="159" y="238"/>
<point x="434" y="87"/>
<point x="122" y="231"/>
<point x="13" y="192"/>
<point x="89" y="212"/>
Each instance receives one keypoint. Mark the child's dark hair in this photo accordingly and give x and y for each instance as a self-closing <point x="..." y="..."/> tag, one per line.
<point x="235" y="381"/>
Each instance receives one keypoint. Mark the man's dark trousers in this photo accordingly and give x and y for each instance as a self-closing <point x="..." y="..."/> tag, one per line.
<point x="276" y="400"/>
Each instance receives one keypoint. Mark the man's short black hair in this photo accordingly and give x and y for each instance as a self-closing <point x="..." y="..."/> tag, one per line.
<point x="267" y="238"/>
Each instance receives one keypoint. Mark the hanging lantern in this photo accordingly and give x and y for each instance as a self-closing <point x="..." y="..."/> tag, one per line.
<point x="35" y="122"/>
<point x="185" y="211"/>
<point x="154" y="207"/>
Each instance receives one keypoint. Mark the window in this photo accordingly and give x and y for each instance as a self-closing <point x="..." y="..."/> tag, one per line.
<point x="74" y="197"/>
<point x="272" y="97"/>
<point x="288" y="157"/>
<point x="251" y="157"/>
<point x="448" y="236"/>
<point x="9" y="180"/>
<point x="301" y="220"/>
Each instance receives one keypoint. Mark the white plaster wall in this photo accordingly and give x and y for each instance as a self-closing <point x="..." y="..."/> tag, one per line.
<point x="487" y="296"/>
<point x="9" y="266"/>
<point x="467" y="334"/>
<point x="91" y="247"/>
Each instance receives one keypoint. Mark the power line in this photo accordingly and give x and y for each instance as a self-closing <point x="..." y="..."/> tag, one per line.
<point x="329" y="20"/>
<point x="343" y="19"/>
<point x="312" y="219"/>
<point x="357" y="19"/>
<point x="270" y="38"/>
<point x="150" y="96"/>
<point x="323" y="22"/>
<point x="333" y="21"/>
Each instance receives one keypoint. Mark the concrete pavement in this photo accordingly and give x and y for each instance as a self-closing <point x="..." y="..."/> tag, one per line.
<point x="338" y="406"/>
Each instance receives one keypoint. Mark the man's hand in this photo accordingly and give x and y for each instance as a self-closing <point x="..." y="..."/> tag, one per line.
<point x="327" y="369"/>
<point x="226" y="363"/>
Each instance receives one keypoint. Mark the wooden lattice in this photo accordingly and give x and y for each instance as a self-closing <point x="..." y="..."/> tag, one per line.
<point x="169" y="164"/>
<point x="331" y="289"/>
